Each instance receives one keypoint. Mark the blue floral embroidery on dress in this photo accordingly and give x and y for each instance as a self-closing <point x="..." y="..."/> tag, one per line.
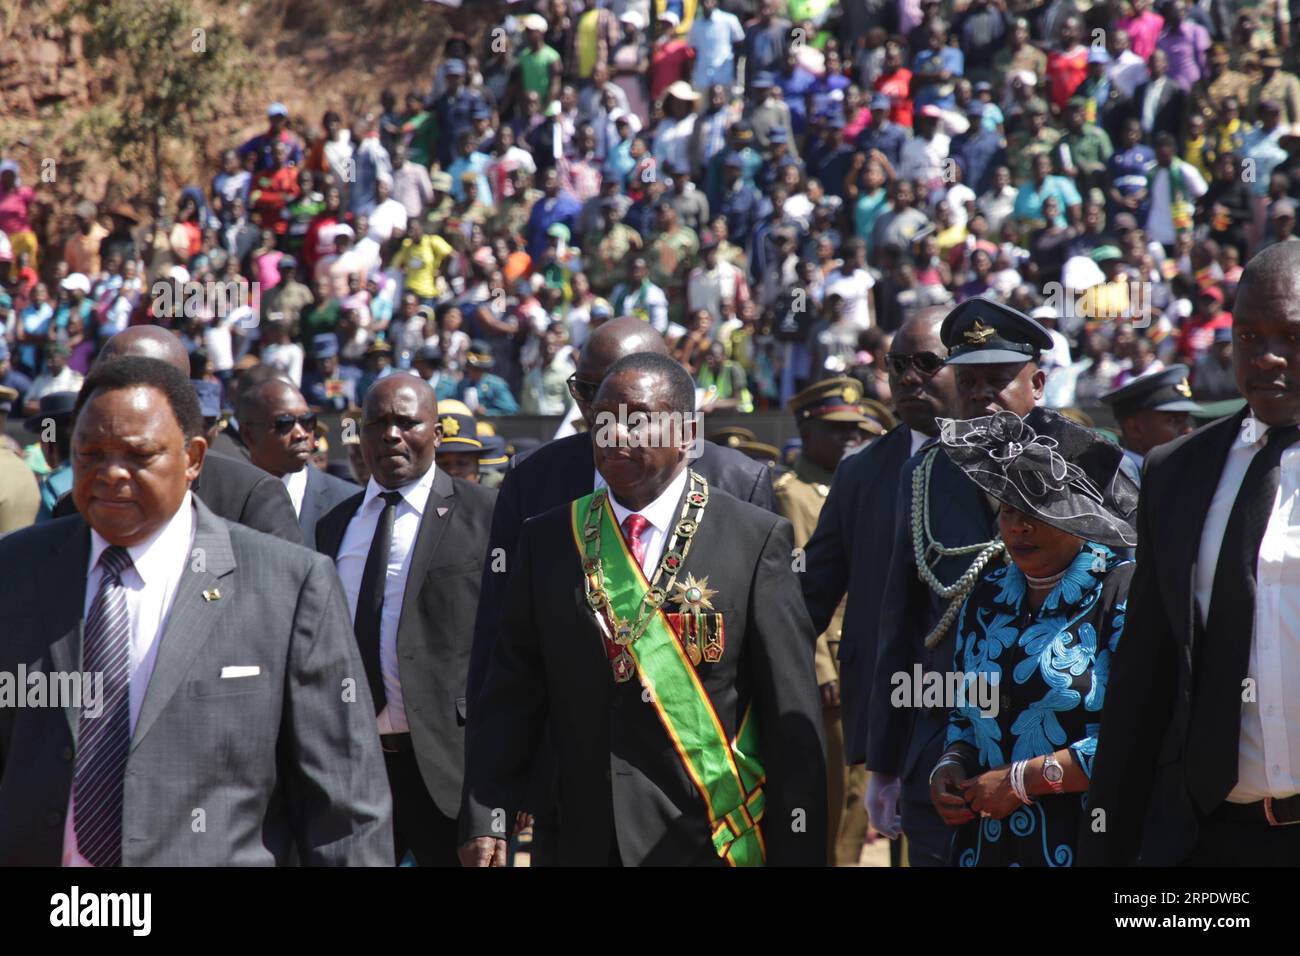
<point x="1059" y="662"/>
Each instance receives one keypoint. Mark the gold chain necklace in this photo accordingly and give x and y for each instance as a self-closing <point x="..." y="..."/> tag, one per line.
<point x="626" y="633"/>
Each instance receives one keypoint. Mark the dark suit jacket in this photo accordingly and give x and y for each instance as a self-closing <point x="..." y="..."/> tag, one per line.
<point x="562" y="471"/>
<point x="436" y="629"/>
<point x="1171" y="112"/>
<point x="324" y="493"/>
<point x="850" y="551"/>
<point x="281" y="769"/>
<point x="1138" y="777"/>
<point x="238" y="492"/>
<point x="617" y="770"/>
<point x="229" y="444"/>
<point x="907" y="741"/>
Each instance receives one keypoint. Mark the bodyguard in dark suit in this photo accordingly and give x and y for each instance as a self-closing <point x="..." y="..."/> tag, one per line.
<point x="226" y="727"/>
<point x="724" y="657"/>
<point x="994" y="352"/>
<point x="850" y="550"/>
<point x="231" y="488"/>
<point x="280" y="432"/>
<point x="411" y="574"/>
<point x="1198" y="761"/>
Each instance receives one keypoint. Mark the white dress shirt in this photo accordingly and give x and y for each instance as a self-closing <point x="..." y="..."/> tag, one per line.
<point x="1268" y="762"/>
<point x="351" y="564"/>
<point x="151" y="585"/>
<point x="296" y="482"/>
<point x="918" y="439"/>
<point x="662" y="513"/>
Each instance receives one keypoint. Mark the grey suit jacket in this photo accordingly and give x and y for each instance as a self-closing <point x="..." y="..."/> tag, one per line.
<point x="324" y="494"/>
<point x="436" y="629"/>
<point x="284" y="765"/>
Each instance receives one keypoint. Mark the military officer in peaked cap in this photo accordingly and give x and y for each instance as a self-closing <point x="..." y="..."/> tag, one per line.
<point x="831" y="423"/>
<point x="459" y="453"/>
<point x="1152" y="410"/>
<point x="945" y="535"/>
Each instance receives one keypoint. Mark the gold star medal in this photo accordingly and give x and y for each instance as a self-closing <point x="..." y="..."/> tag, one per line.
<point x="693" y="597"/>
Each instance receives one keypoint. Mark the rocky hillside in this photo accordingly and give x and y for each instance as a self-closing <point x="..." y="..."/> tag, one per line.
<point x="311" y="54"/>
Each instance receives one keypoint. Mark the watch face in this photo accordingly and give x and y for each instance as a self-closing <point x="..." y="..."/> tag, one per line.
<point x="1053" y="772"/>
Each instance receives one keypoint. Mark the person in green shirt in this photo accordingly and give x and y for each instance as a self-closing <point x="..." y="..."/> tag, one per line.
<point x="539" y="64"/>
<point x="727" y="380"/>
<point x="1036" y="138"/>
<point x="420" y="258"/>
<point x="323" y="315"/>
<point x="420" y="131"/>
<point x="671" y="254"/>
<point x="1085" y="149"/>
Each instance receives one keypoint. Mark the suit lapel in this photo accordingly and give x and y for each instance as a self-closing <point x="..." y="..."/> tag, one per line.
<point x="1197" y="483"/>
<point x="65" y="620"/>
<point x="329" y="533"/>
<point x="433" y="525"/>
<point x="192" y="617"/>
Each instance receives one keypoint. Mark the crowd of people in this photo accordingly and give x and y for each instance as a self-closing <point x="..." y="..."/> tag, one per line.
<point x="941" y="234"/>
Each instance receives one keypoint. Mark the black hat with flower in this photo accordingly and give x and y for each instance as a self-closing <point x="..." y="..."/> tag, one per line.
<point x="1057" y="472"/>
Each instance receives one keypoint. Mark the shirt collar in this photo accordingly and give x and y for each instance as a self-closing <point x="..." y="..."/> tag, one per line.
<point x="662" y="511"/>
<point x="416" y="494"/>
<point x="156" y="556"/>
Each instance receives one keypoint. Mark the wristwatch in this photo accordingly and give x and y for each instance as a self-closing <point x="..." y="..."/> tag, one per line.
<point x="1053" y="774"/>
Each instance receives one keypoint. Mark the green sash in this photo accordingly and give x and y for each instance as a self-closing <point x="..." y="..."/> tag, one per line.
<point x="728" y="774"/>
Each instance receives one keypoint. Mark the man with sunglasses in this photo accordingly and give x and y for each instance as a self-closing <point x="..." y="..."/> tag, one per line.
<point x="280" y="432"/>
<point x="994" y="352"/>
<point x="850" y="548"/>
<point x="564" y="470"/>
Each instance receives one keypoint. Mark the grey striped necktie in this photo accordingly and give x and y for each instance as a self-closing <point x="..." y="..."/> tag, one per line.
<point x="103" y="741"/>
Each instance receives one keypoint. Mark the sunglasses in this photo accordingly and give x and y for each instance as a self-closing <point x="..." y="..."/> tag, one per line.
<point x="925" y="363"/>
<point x="582" y="391"/>
<point x="283" y="424"/>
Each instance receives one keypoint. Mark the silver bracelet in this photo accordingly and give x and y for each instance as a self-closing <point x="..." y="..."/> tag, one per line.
<point x="946" y="760"/>
<point x="1018" y="781"/>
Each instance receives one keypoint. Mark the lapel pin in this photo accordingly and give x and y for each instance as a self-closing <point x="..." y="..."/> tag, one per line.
<point x="442" y="512"/>
<point x="212" y="595"/>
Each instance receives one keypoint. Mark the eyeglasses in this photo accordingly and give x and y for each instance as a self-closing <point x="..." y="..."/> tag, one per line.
<point x="925" y="363"/>
<point x="283" y="424"/>
<point x="582" y="391"/>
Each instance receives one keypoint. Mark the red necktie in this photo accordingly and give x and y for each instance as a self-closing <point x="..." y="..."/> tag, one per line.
<point x="633" y="527"/>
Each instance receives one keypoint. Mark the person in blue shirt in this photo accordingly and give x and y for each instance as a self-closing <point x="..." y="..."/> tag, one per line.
<point x="53" y="423"/>
<point x="556" y="205"/>
<point x="935" y="68"/>
<point x="739" y="202"/>
<point x="978" y="151"/>
<point x="1030" y="199"/>
<point x="468" y="160"/>
<point x="10" y="377"/>
<point x="483" y="392"/>
<point x="881" y="133"/>
<point x="796" y="84"/>
<point x="263" y="144"/>
<point x="330" y="385"/>
<point x="836" y="158"/>
<point x="454" y="111"/>
<point x="1126" y="172"/>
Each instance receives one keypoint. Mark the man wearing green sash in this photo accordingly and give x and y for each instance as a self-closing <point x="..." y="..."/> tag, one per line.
<point x="657" y="625"/>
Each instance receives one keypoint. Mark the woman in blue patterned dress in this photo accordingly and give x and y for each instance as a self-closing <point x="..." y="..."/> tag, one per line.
<point x="1035" y="639"/>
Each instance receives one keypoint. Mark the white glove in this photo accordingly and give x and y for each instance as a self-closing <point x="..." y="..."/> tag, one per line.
<point x="881" y="802"/>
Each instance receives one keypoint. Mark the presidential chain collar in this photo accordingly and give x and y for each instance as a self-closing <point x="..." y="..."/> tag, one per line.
<point x="626" y="633"/>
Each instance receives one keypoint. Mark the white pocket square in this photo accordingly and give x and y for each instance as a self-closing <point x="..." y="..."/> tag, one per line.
<point x="240" y="671"/>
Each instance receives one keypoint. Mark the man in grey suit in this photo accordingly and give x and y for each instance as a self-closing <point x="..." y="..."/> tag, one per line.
<point x="226" y="719"/>
<point x="232" y="488"/>
<point x="280" y="432"/>
<point x="415" y="626"/>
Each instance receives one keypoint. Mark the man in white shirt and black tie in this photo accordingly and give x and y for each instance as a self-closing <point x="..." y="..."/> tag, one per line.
<point x="410" y="551"/>
<point x="1198" y="760"/>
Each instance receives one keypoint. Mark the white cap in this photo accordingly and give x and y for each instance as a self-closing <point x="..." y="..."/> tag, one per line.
<point x="76" y="283"/>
